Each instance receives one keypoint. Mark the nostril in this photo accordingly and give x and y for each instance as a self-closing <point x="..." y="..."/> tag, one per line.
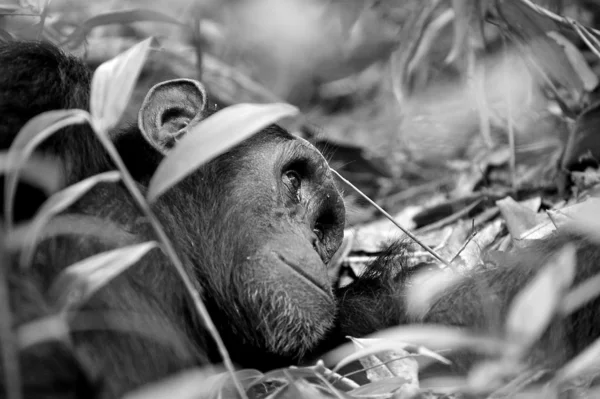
<point x="314" y="242"/>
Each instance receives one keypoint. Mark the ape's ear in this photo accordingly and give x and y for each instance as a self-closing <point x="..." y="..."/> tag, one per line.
<point x="169" y="110"/>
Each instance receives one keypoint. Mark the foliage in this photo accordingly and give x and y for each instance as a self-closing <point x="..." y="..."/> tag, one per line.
<point x="363" y="35"/>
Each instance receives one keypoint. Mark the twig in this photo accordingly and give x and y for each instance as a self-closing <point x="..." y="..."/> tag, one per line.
<point x="462" y="248"/>
<point x="552" y="16"/>
<point x="382" y="363"/>
<point x="451" y="218"/>
<point x="391" y="219"/>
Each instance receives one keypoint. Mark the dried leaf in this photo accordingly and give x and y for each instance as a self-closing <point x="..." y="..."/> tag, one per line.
<point x="433" y="337"/>
<point x="211" y="137"/>
<point x="583" y="144"/>
<point x="388" y="364"/>
<point x="581" y="218"/>
<point x="519" y="219"/>
<point x="468" y="18"/>
<point x="532" y="29"/>
<point x="426" y="287"/>
<point x="577" y="61"/>
<point x="380" y="389"/>
<point x="416" y="44"/>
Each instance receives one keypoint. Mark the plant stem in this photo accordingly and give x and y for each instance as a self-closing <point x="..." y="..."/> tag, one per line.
<point x="131" y="186"/>
<point x="10" y="352"/>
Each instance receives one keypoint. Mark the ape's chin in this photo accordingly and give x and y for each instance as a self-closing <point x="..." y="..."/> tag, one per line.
<point x="294" y="324"/>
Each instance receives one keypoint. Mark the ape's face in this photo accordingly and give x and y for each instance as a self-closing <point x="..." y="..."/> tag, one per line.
<point x="285" y="219"/>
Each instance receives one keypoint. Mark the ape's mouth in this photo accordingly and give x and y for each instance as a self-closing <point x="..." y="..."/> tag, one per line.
<point x="306" y="276"/>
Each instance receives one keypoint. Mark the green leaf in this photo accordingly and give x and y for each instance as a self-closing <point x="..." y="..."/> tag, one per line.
<point x="78" y="282"/>
<point x="42" y="172"/>
<point x="99" y="228"/>
<point x="434" y="337"/>
<point x="113" y="83"/>
<point x="56" y="204"/>
<point x="49" y="328"/>
<point x="584" y="364"/>
<point x="29" y="137"/>
<point x="534" y="306"/>
<point x="211" y="137"/>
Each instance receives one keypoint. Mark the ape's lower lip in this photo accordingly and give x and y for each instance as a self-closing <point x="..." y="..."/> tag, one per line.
<point x="305" y="275"/>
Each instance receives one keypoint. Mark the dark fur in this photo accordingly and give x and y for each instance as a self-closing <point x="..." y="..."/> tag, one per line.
<point x="479" y="303"/>
<point x="141" y="327"/>
<point x="231" y="223"/>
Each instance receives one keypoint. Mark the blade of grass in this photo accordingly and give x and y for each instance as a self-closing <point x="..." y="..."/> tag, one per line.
<point x="56" y="204"/>
<point x="29" y="137"/>
<point x="79" y="281"/>
<point x="391" y="219"/>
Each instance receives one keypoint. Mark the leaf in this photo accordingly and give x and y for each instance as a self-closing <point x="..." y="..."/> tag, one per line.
<point x="492" y="375"/>
<point x="583" y="144"/>
<point x="188" y="384"/>
<point x="349" y="11"/>
<point x="388" y="364"/>
<point x="49" y="328"/>
<point x="42" y="172"/>
<point x="113" y="83"/>
<point x="298" y="389"/>
<point x="9" y="8"/>
<point x="78" y="282"/>
<point x="434" y="337"/>
<point x="532" y="29"/>
<point x="384" y="388"/>
<point x="5" y="36"/>
<point x="519" y="218"/>
<point x="577" y="61"/>
<point x="76" y="38"/>
<point x="58" y="203"/>
<point x="534" y="306"/>
<point x="29" y="137"/>
<point x="408" y="60"/>
<point x="579" y="296"/>
<point x="585" y="362"/>
<point x="211" y="137"/>
<point x="107" y="231"/>
<point x="468" y="22"/>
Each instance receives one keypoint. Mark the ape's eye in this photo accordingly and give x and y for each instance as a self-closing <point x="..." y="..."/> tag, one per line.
<point x="319" y="230"/>
<point x="292" y="180"/>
